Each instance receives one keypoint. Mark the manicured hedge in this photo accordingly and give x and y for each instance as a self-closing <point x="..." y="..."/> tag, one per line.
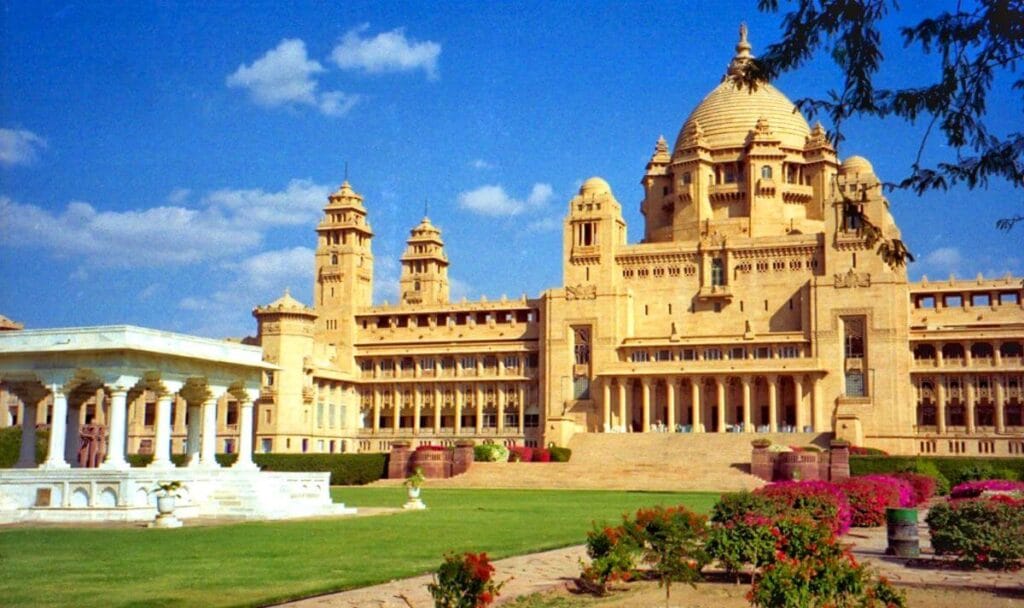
<point x="560" y="454"/>
<point x="10" y="446"/>
<point x="955" y="470"/>
<point x="345" y="469"/>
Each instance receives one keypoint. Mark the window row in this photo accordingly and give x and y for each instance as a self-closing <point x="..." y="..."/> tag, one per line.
<point x="464" y="363"/>
<point x="715" y="353"/>
<point x="453" y="319"/>
<point x="968" y="299"/>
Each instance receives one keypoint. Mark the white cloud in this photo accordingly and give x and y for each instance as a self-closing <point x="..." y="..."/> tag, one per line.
<point x="19" y="147"/>
<point x="285" y="75"/>
<point x="494" y="201"/>
<point x="545" y="224"/>
<point x="254" y="281"/>
<point x="178" y="196"/>
<point x="385" y="52"/>
<point x="227" y="223"/>
<point x="479" y="163"/>
<point x="943" y="261"/>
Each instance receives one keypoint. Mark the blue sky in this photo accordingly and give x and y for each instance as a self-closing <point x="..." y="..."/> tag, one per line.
<point x="164" y="163"/>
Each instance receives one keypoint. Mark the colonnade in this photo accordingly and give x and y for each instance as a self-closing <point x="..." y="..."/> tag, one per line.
<point x="971" y="392"/>
<point x="431" y="398"/>
<point x="69" y="396"/>
<point x="690" y="397"/>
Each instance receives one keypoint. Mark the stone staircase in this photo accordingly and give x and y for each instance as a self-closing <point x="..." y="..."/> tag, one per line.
<point x="634" y="461"/>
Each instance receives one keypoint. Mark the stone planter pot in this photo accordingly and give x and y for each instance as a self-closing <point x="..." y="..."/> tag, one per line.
<point x="414" y="493"/>
<point x="165" y="513"/>
<point x="165" y="504"/>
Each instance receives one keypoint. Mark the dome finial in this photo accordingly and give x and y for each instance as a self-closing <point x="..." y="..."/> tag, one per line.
<point x="743" y="55"/>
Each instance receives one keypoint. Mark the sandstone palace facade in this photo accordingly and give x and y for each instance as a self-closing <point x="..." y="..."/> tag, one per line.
<point x="753" y="302"/>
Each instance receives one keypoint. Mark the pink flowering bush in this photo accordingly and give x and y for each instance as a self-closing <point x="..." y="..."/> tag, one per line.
<point x="972" y="489"/>
<point x="820" y="500"/>
<point x="903" y="489"/>
<point x="980" y="532"/>
<point x="541" y="455"/>
<point x="924" y="486"/>
<point x="520" y="453"/>
<point x="869" y="499"/>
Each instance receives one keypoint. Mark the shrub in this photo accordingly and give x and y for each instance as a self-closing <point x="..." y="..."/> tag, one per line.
<point x="833" y="580"/>
<point x="345" y="469"/>
<point x="613" y="558"/>
<point x="490" y="452"/>
<point x="980" y="532"/>
<point x="902" y="488"/>
<point x="10" y="446"/>
<point x="541" y="455"/>
<point x="672" y="541"/>
<point x="868" y="500"/>
<point x="922" y="486"/>
<point x="560" y="454"/>
<point x="950" y="468"/>
<point x="860" y="451"/>
<point x="742" y="540"/>
<point x="464" y="581"/>
<point x="929" y="468"/>
<point x="973" y="489"/>
<point x="520" y="453"/>
<point x="819" y="500"/>
<point x="736" y="506"/>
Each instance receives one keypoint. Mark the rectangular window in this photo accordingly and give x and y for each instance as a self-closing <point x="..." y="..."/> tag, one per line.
<point x="712" y="354"/>
<point x="231" y="416"/>
<point x="689" y="354"/>
<point x="663" y="355"/>
<point x="640" y="356"/>
<point x="737" y="352"/>
<point x="427" y="364"/>
<point x="581" y="388"/>
<point x="531" y="360"/>
<point x="266" y="445"/>
<point x="469" y="363"/>
<point x="149" y="416"/>
<point x="853" y="337"/>
<point x="320" y="415"/>
<point x="531" y="420"/>
<point x="717" y="272"/>
<point x="763" y="352"/>
<point x="789" y="352"/>
<point x="511" y="362"/>
<point x="330" y="415"/>
<point x="581" y="345"/>
<point x="855" y="384"/>
<point x="386" y="365"/>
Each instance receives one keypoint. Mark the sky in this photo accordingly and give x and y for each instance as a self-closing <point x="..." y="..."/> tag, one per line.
<point x="164" y="164"/>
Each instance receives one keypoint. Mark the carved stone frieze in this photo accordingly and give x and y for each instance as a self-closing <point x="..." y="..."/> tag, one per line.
<point x="581" y="292"/>
<point x="852" y="279"/>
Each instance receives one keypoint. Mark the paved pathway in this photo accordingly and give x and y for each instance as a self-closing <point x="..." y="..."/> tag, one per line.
<point x="543" y="571"/>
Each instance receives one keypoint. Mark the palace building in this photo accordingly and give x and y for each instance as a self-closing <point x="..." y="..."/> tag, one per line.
<point x="754" y="302"/>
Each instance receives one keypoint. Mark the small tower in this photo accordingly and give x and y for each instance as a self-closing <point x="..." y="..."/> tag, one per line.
<point x="344" y="269"/>
<point x="424" y="267"/>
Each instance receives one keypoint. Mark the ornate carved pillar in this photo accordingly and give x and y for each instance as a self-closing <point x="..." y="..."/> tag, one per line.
<point x="396" y="408"/>
<point x="522" y="409"/>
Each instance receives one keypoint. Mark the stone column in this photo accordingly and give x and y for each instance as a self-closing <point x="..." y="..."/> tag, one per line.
<point x="801" y="417"/>
<point x="748" y="424"/>
<point x="969" y="381"/>
<point x="437" y="410"/>
<point x="817" y="424"/>
<point x="162" y="441"/>
<point x="606" y="406"/>
<point x="773" y="404"/>
<point x="27" y="456"/>
<point x="997" y="354"/>
<point x="645" y="405"/>
<point x="940" y="403"/>
<point x="1000" y="405"/>
<point x="417" y="406"/>
<point x="623" y="425"/>
<point x="695" y="404"/>
<point x="670" y="397"/>
<point x="499" y="396"/>
<point x="720" y="394"/>
<point x="207" y="458"/>
<point x="192" y="444"/>
<point x="478" y="396"/>
<point x="522" y="409"/>
<point x="72" y="435"/>
<point x="58" y="428"/>
<point x="115" y="437"/>
<point x="375" y="401"/>
<point x="396" y="409"/>
<point x="245" y="406"/>
<point x="458" y="409"/>
<point x="968" y="357"/>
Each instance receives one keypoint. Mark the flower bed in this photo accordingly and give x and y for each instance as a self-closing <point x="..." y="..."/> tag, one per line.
<point x="983" y="532"/>
<point x="868" y="500"/>
<point x="924" y="486"/>
<point x="973" y="489"/>
<point x="820" y="500"/>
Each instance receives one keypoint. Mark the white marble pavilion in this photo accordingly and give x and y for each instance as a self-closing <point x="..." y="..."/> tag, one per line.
<point x="71" y="365"/>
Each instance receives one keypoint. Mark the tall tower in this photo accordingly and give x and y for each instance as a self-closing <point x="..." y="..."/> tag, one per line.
<point x="424" y="267"/>
<point x="344" y="270"/>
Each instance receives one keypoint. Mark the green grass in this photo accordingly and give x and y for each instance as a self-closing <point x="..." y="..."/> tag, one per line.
<point x="258" y="563"/>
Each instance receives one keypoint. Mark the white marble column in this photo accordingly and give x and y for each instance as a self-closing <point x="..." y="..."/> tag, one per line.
<point x="116" y="435"/>
<point x="208" y="455"/>
<point x="27" y="456"/>
<point x="193" y="426"/>
<point x="58" y="428"/>
<point x="245" y="407"/>
<point x="162" y="442"/>
<point x="73" y="434"/>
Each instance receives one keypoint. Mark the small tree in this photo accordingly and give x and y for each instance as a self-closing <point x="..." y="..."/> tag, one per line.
<point x="672" y="543"/>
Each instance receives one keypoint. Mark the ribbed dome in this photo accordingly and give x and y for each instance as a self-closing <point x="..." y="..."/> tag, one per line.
<point x="728" y="114"/>
<point x="857" y="164"/>
<point x="595" y="186"/>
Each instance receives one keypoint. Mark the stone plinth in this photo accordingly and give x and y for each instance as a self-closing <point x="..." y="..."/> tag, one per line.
<point x="839" y="462"/>
<point x="801" y="466"/>
<point x="435" y="463"/>
<point x="462" y="459"/>
<point x="762" y="463"/>
<point x="398" y="461"/>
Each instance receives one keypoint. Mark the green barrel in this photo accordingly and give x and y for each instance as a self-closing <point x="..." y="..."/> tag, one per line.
<point x="901" y="525"/>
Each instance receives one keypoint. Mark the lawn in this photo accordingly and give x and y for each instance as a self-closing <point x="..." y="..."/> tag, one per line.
<point x="257" y="563"/>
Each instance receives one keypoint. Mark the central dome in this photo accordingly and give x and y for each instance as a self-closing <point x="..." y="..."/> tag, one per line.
<point x="729" y="113"/>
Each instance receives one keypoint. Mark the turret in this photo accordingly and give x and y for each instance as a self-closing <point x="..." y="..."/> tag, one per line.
<point x="424" y="267"/>
<point x="594" y="231"/>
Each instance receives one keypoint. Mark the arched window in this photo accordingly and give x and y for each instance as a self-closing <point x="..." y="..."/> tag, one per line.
<point x="334" y="259"/>
<point x="766" y="172"/>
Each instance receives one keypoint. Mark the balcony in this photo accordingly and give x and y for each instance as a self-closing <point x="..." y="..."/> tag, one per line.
<point x="715" y="292"/>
